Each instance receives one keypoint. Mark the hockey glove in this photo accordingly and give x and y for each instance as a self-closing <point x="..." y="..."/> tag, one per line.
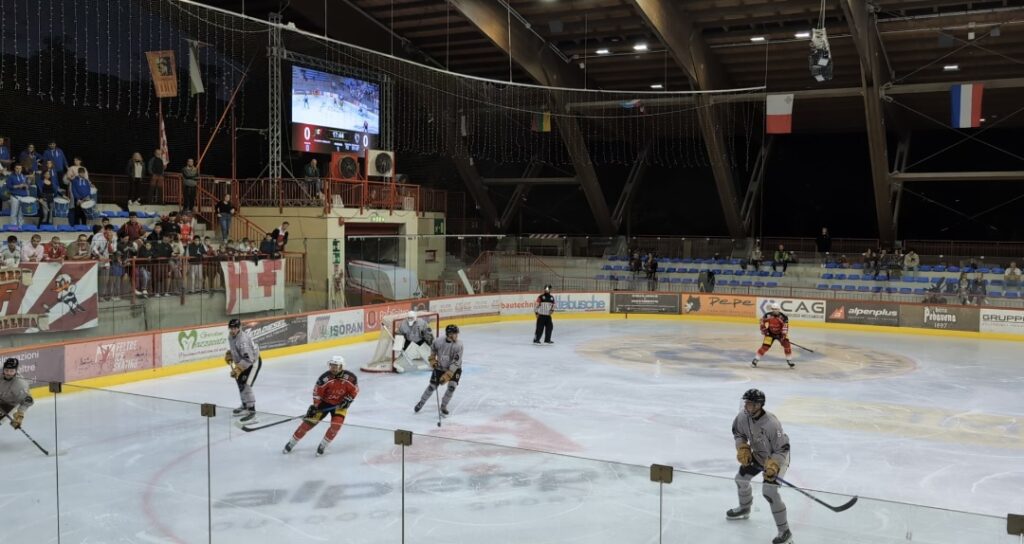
<point x="743" y="454"/>
<point x="236" y="371"/>
<point x="432" y="360"/>
<point x="312" y="411"/>
<point x="18" y="418"/>
<point x="771" y="470"/>
<point x="447" y="376"/>
<point x="346" y="402"/>
<point x="228" y="358"/>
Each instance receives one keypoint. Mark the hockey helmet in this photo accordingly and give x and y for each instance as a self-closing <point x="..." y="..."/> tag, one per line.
<point x="10" y="364"/>
<point x="235" y="323"/>
<point x="451" y="329"/>
<point x="755" y="396"/>
<point x="774" y="307"/>
<point x="411" y="315"/>
<point x="547" y="287"/>
<point x="338" y="361"/>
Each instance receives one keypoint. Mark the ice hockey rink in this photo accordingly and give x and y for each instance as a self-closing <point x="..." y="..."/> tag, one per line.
<point x="916" y="419"/>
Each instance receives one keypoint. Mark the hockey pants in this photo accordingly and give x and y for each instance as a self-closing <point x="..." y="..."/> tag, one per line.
<point x="769" y="340"/>
<point x="435" y="382"/>
<point x="544" y="325"/>
<point x="337" y="420"/>
<point x="769" y="490"/>
<point x="245" y="381"/>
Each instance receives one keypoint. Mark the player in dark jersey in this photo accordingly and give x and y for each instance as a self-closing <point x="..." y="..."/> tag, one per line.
<point x="332" y="395"/>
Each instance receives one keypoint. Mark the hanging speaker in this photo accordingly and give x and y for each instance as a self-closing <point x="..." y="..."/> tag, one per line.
<point x="380" y="163"/>
<point x="345" y="166"/>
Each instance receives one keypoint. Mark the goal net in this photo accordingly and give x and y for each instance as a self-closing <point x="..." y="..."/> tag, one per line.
<point x="390" y="344"/>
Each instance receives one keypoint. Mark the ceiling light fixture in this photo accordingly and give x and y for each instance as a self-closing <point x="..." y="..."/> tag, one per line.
<point x="640" y="47"/>
<point x="657" y="86"/>
<point x="758" y="39"/>
<point x="802" y="35"/>
<point x="951" y="68"/>
<point x="602" y="51"/>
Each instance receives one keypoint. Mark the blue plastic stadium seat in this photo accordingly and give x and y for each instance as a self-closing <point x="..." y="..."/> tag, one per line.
<point x="663" y="279"/>
<point x="758" y="284"/>
<point x="998" y="270"/>
<point x="600" y="277"/>
<point x="47" y="228"/>
<point x="923" y="279"/>
<point x="28" y="227"/>
<point x="1012" y="294"/>
<point x="827" y="276"/>
<point x="823" y="286"/>
<point x="985" y="270"/>
<point x="741" y="273"/>
<point x="939" y="268"/>
<point x="840" y="277"/>
<point x="863" y="288"/>
<point x="735" y="262"/>
<point x="776" y="274"/>
<point x="746" y="283"/>
<point x="83" y="228"/>
<point x="857" y="266"/>
<point x="716" y="270"/>
<point x="905" y="290"/>
<point x="733" y="283"/>
<point x="10" y="227"/>
<point x="925" y="268"/>
<point x="771" y="284"/>
<point x="687" y="260"/>
<point x="830" y="266"/>
<point x="996" y="282"/>
<point x="676" y="280"/>
<point x="855" y="277"/>
<point x="849" y="288"/>
<point x="764" y="274"/>
<point x="995" y="294"/>
<point x="687" y="280"/>
<point x="670" y="270"/>
<point x="953" y="269"/>
<point x="919" y="291"/>
<point x="728" y="272"/>
<point x="835" y="287"/>
<point x="606" y="267"/>
<point x="876" y="289"/>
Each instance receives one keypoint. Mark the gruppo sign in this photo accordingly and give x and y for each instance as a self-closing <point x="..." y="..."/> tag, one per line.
<point x="795" y="308"/>
<point x="1008" y="321"/>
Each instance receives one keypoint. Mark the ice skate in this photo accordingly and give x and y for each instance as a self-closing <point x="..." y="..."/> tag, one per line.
<point x="738" y="513"/>
<point x="790" y="363"/>
<point x="753" y="363"/>
<point x="321" y="449"/>
<point x="237" y="412"/>
<point x="289" y="446"/>
<point x="249" y="418"/>
<point x="784" y="538"/>
<point x="549" y="342"/>
<point x="444" y="411"/>
<point x="418" y="407"/>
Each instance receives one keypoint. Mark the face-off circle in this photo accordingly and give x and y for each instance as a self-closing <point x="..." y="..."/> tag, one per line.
<point x="727" y="356"/>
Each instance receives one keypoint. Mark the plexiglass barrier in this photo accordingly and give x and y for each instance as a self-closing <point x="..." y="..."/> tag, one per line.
<point x="112" y="466"/>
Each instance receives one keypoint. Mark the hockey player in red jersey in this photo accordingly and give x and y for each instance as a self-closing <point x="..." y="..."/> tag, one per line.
<point x="774" y="326"/>
<point x="333" y="394"/>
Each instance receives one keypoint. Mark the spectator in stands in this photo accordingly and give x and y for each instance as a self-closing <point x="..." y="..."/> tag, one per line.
<point x="312" y="173"/>
<point x="34" y="251"/>
<point x="142" y="251"/>
<point x="963" y="288"/>
<point x="103" y="246"/>
<point x="177" y="248"/>
<point x="189" y="184"/>
<point x="225" y="211"/>
<point x="635" y="263"/>
<point x="280" y="235"/>
<point x="911" y="262"/>
<point x="978" y="289"/>
<point x="56" y="155"/>
<point x="17" y="186"/>
<point x="55" y="250"/>
<point x="782" y="257"/>
<point x="29" y="160"/>
<point x="155" y="168"/>
<point x="843" y="262"/>
<point x="162" y="267"/>
<point x="10" y="255"/>
<point x="117" y="278"/>
<point x="132" y="229"/>
<point x="756" y="258"/>
<point x="244" y="247"/>
<point x="185" y="226"/>
<point x="823" y="243"/>
<point x="882" y="263"/>
<point x="211" y="267"/>
<point x="79" y="250"/>
<point x="47" y="190"/>
<point x="136" y="171"/>
<point x="268" y="246"/>
<point x="50" y="168"/>
<point x="76" y="169"/>
<point x="1012" y="275"/>
<point x="81" y="190"/>
<point x="157" y="233"/>
<point x="5" y="153"/>
<point x="972" y="265"/>
<point x="651" y="268"/>
<point x="195" y="251"/>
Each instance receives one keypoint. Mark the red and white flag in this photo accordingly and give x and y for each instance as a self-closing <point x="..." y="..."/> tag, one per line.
<point x="779" y="113"/>
<point x="254" y="287"/>
<point x="163" y="141"/>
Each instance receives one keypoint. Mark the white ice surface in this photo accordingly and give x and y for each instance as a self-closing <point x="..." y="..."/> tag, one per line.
<point x="923" y="420"/>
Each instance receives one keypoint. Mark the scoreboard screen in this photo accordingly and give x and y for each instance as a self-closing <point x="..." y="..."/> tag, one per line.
<point x="332" y="112"/>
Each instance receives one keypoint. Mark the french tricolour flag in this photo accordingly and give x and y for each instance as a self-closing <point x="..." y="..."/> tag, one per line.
<point x="779" y="113"/>
<point x="966" y="105"/>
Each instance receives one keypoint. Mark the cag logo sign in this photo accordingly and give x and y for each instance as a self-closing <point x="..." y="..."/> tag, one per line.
<point x="795" y="306"/>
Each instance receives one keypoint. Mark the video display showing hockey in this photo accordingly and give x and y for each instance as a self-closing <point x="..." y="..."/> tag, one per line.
<point x="922" y="420"/>
<point x="339" y="112"/>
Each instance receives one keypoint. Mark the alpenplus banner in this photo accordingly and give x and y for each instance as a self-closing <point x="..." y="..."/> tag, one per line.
<point x="863" y="312"/>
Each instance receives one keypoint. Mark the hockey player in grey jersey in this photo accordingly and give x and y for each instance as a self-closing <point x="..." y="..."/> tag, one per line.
<point x="244" y="359"/>
<point x="446" y="360"/>
<point x="415" y="331"/>
<point x="761" y="445"/>
<point x="14" y="395"/>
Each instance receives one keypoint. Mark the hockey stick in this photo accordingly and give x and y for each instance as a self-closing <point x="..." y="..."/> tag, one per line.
<point x="842" y="507"/>
<point x="33" y="440"/>
<point x="809" y="350"/>
<point x="293" y="418"/>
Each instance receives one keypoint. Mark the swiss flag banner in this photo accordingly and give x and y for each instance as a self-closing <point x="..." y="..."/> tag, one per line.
<point x="254" y="287"/>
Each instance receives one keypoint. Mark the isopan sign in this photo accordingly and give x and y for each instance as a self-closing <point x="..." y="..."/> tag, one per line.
<point x="795" y="308"/>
